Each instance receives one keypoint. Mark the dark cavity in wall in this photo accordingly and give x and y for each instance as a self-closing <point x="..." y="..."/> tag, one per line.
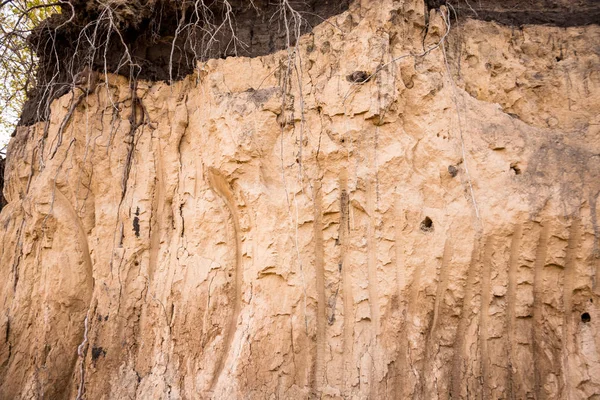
<point x="136" y="222"/>
<point x="97" y="351"/>
<point x="160" y="40"/>
<point x="585" y="317"/>
<point x="427" y="225"/>
<point x="561" y="13"/>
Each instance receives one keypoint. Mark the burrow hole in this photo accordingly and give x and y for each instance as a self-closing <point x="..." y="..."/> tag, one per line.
<point x="585" y="317"/>
<point x="452" y="170"/>
<point x="427" y="225"/>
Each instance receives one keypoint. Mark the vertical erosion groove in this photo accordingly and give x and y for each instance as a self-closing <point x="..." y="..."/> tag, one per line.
<point x="458" y="361"/>
<point x="373" y="286"/>
<point x="442" y="285"/>
<point x="346" y="283"/>
<point x="372" y="263"/>
<point x="412" y="310"/>
<point x="320" y="285"/>
<point x="513" y="265"/>
<point x="81" y="234"/>
<point x="538" y="318"/>
<point x="486" y="294"/>
<point x="157" y="213"/>
<point x="221" y="188"/>
<point x="400" y="361"/>
<point x="63" y="202"/>
<point x="431" y="340"/>
<point x="568" y="286"/>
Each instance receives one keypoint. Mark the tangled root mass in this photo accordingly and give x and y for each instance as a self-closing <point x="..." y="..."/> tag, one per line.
<point x="160" y="40"/>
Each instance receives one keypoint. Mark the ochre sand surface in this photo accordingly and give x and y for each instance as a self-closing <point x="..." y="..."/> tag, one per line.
<point x="431" y="233"/>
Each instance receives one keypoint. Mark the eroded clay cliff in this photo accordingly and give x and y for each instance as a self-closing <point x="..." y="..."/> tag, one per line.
<point x="398" y="212"/>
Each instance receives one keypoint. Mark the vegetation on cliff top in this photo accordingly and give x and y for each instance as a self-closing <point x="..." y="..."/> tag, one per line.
<point x="46" y="43"/>
<point x="17" y="59"/>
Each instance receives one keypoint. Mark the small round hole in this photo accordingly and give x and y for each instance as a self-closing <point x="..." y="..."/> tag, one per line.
<point x="427" y="225"/>
<point x="585" y="318"/>
<point x="452" y="170"/>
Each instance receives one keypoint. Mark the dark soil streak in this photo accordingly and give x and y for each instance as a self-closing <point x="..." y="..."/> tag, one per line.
<point x="563" y="13"/>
